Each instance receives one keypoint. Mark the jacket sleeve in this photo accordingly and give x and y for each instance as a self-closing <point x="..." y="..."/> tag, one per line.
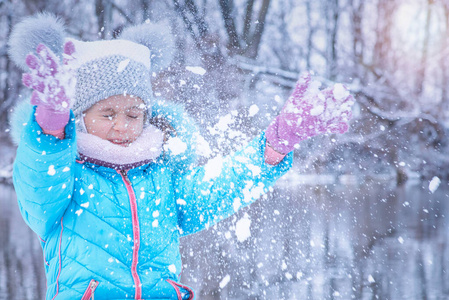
<point x="43" y="175"/>
<point x="215" y="191"/>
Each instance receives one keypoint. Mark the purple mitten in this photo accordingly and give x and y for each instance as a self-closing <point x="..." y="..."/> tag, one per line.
<point x="53" y="86"/>
<point x="309" y="112"/>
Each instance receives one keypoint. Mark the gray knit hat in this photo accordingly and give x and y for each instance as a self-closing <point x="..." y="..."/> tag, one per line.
<point x="108" y="68"/>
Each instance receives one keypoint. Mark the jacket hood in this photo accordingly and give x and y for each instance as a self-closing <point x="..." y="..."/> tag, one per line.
<point x="179" y="150"/>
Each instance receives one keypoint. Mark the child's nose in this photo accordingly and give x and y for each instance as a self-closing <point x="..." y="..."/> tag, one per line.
<point x="120" y="123"/>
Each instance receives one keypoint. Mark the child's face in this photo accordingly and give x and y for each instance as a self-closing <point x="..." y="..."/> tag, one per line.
<point x="118" y="119"/>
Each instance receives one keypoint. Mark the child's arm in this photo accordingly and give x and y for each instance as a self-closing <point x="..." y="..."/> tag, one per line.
<point x="217" y="190"/>
<point x="43" y="175"/>
<point x="44" y="166"/>
<point x="52" y="83"/>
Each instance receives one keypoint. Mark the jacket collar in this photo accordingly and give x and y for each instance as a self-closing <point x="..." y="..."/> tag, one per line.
<point x="145" y="149"/>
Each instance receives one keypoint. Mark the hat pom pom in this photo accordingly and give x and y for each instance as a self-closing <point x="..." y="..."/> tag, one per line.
<point x="157" y="37"/>
<point x="42" y="28"/>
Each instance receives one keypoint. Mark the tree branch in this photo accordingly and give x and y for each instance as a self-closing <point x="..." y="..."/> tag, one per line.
<point x="254" y="42"/>
<point x="248" y="21"/>
<point x="226" y="7"/>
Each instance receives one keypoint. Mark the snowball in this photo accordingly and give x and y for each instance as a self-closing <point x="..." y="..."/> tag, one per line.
<point x="371" y="279"/>
<point x="79" y="212"/>
<point x="155" y="223"/>
<point x="122" y="65"/>
<point x="401" y="240"/>
<point x="85" y="205"/>
<point x="224" y="282"/>
<point x="196" y="70"/>
<point x="176" y="146"/>
<point x="155" y="214"/>
<point x="253" y="110"/>
<point x="434" y="184"/>
<point x="340" y="92"/>
<point x="51" y="170"/>
<point x="242" y="228"/>
<point x="66" y="169"/>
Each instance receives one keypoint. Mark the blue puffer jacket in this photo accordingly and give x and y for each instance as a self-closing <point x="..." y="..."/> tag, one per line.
<point x="116" y="234"/>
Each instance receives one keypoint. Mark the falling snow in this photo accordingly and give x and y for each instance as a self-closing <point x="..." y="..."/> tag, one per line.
<point x="196" y="70"/>
<point x="242" y="228"/>
<point x="224" y="282"/>
<point x="434" y="184"/>
<point x="122" y="65"/>
<point x="51" y="170"/>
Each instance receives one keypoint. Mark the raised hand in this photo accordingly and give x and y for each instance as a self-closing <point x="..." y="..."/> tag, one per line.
<point x="308" y="112"/>
<point x="53" y="86"/>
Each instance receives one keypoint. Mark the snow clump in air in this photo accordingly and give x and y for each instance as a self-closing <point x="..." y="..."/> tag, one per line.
<point x="224" y="282"/>
<point x="253" y="110"/>
<point x="203" y="147"/>
<point x="242" y="228"/>
<point x="213" y="168"/>
<point x="434" y="184"/>
<point x="340" y="92"/>
<point x="176" y="146"/>
<point x="196" y="70"/>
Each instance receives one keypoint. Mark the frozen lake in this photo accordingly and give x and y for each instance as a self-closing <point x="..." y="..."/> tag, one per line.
<point x="366" y="239"/>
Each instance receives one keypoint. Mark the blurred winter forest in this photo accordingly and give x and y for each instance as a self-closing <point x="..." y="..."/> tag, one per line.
<point x="391" y="54"/>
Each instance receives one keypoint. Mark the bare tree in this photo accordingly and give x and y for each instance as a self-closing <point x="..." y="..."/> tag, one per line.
<point x="332" y="18"/>
<point x="103" y="10"/>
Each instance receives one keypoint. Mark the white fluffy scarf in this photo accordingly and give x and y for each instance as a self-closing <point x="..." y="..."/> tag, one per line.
<point x="146" y="148"/>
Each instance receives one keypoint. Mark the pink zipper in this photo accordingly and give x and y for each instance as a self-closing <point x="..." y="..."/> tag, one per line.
<point x="136" y="233"/>
<point x="177" y="285"/>
<point x="89" y="293"/>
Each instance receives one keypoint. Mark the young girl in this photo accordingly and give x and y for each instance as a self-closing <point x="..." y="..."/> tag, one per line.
<point x="104" y="174"/>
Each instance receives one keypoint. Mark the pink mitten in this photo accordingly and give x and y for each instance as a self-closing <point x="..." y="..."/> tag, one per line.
<point x="53" y="86"/>
<point x="309" y="112"/>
